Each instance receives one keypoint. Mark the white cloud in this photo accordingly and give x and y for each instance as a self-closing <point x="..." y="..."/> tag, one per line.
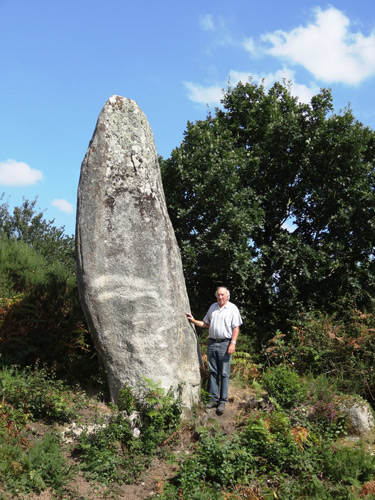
<point x="63" y="205"/>
<point x="16" y="173"/>
<point x="207" y="23"/>
<point x="250" y="46"/>
<point x="326" y="48"/>
<point x="204" y="95"/>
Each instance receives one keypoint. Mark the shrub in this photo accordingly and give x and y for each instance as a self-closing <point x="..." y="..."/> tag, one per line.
<point x="283" y="384"/>
<point x="103" y="453"/>
<point x="40" y="313"/>
<point x="243" y="368"/>
<point x="159" y="415"/>
<point x="341" y="345"/>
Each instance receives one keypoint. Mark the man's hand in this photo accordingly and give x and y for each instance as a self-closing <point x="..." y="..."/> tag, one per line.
<point x="196" y="322"/>
<point x="231" y="348"/>
<point x="190" y="317"/>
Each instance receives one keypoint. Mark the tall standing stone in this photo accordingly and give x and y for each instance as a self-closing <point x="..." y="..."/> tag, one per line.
<point x="130" y="275"/>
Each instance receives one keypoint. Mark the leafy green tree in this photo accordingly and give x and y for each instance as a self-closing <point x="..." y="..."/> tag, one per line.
<point x="263" y="161"/>
<point x="28" y="224"/>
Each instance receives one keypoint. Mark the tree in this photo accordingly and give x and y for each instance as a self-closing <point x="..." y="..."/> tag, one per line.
<point x="265" y="160"/>
<point x="28" y="224"/>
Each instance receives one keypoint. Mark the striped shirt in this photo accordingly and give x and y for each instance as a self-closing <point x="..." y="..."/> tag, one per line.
<point x="222" y="321"/>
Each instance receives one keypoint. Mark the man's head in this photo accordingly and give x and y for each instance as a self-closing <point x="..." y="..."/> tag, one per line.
<point x="222" y="295"/>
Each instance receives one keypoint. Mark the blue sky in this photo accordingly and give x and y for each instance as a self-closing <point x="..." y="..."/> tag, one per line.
<point x="60" y="60"/>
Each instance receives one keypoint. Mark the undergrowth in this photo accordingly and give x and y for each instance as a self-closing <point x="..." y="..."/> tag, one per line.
<point x="29" y="464"/>
<point x="138" y="427"/>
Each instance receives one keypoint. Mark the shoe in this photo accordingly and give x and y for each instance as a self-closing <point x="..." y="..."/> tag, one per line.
<point x="211" y="404"/>
<point x="220" y="409"/>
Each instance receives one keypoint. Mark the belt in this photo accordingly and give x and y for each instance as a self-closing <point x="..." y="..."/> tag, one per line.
<point x="218" y="340"/>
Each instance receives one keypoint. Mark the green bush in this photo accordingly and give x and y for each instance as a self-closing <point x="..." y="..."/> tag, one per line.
<point x="45" y="466"/>
<point x="37" y="393"/>
<point x="40" y="313"/>
<point x="342" y="345"/>
<point x="284" y="385"/>
<point x="159" y="415"/>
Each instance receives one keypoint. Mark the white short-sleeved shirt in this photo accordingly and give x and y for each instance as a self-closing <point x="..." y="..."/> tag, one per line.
<point x="222" y="321"/>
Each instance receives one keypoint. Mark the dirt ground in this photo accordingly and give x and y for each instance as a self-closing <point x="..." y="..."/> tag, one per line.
<point x="151" y="481"/>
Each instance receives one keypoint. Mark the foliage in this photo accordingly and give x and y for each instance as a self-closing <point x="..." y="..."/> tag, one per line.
<point x="262" y="161"/>
<point x="28" y="225"/>
<point x="274" y="454"/>
<point x="42" y="465"/>
<point x="349" y="465"/>
<point x="283" y="384"/>
<point x="37" y="393"/>
<point x="270" y="458"/>
<point x="341" y="347"/>
<point x="102" y="455"/>
<point x="12" y="439"/>
<point x="217" y="462"/>
<point x="28" y="464"/>
<point x="243" y="368"/>
<point x="158" y="415"/>
<point x="43" y="302"/>
<point x="140" y="425"/>
<point x="326" y="407"/>
<point x="40" y="314"/>
<point x="270" y="440"/>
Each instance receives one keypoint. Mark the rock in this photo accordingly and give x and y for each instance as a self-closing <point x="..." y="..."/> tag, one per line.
<point x="360" y="416"/>
<point x="130" y="276"/>
<point x="252" y="403"/>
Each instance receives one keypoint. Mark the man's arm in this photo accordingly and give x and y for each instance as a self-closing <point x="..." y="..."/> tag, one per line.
<point x="232" y="345"/>
<point x="196" y="322"/>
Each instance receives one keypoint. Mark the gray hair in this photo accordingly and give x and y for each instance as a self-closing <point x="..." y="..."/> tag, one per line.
<point x="225" y="288"/>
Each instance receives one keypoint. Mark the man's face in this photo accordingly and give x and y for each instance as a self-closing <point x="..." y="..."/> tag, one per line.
<point x="222" y="296"/>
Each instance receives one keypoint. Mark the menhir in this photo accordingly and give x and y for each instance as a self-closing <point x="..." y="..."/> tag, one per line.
<point x="130" y="275"/>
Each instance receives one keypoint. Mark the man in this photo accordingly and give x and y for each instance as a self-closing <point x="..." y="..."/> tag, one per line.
<point x="223" y="320"/>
